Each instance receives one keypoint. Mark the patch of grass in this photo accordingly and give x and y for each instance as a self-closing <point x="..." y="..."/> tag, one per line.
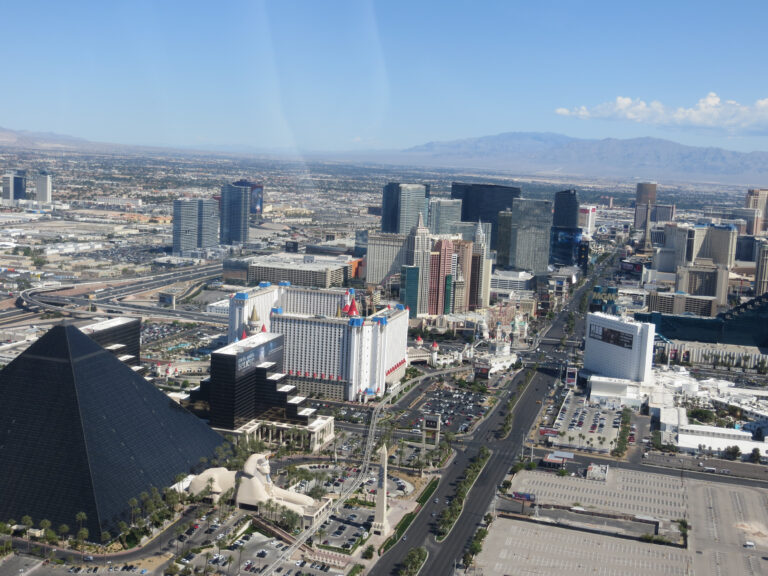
<point x="400" y="529"/>
<point x="426" y="494"/>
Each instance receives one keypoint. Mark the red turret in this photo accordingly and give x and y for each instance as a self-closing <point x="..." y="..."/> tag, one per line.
<point x="434" y="345"/>
<point x="353" y="308"/>
<point x="244" y="336"/>
<point x="263" y="327"/>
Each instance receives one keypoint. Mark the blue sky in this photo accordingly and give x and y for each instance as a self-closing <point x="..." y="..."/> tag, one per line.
<point x="347" y="75"/>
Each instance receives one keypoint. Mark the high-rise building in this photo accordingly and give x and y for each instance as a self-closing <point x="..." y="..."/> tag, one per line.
<point x="659" y="213"/>
<point x="385" y="256"/>
<point x="582" y="259"/>
<point x="417" y="253"/>
<point x="483" y="202"/>
<point x="524" y="236"/>
<point x="365" y="352"/>
<point x="43" y="187"/>
<point x="757" y="198"/>
<point x="241" y="389"/>
<point x="463" y="275"/>
<point x="480" y="278"/>
<point x="440" y="277"/>
<point x="564" y="246"/>
<point x="618" y="348"/>
<point x="234" y="210"/>
<point x="645" y="193"/>
<point x="195" y="223"/>
<point x="566" y="213"/>
<point x="14" y="187"/>
<point x="761" y="268"/>
<point x="587" y="217"/>
<point x="444" y="215"/>
<point x="703" y="279"/>
<point x="409" y="288"/>
<point x="401" y="205"/>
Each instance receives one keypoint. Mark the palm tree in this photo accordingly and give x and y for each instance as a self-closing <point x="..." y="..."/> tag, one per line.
<point x="80" y="517"/>
<point x="45" y="526"/>
<point x="570" y="440"/>
<point x="63" y="531"/>
<point x="133" y="505"/>
<point x="27" y="521"/>
<point x="82" y="536"/>
<point x="123" y="527"/>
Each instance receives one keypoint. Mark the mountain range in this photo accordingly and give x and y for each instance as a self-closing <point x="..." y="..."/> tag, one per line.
<point x="528" y="153"/>
<point x="644" y="158"/>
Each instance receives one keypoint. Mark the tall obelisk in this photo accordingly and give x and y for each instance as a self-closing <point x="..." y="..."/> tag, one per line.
<point x="380" y="523"/>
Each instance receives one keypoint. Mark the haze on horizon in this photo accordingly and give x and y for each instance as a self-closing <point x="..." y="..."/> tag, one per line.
<point x="373" y="75"/>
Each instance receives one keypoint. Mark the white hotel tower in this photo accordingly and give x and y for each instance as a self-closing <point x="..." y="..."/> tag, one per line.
<point x="330" y="350"/>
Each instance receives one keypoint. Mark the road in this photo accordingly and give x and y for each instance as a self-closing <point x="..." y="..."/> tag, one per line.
<point x="504" y="453"/>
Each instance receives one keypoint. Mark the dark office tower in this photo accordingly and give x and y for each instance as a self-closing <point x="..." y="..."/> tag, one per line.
<point x="401" y="205"/>
<point x="566" y="209"/>
<point x="524" y="236"/>
<point x="582" y="259"/>
<point x="81" y="432"/>
<point x="761" y="268"/>
<point x="121" y="336"/>
<point x="564" y="246"/>
<point x="247" y="382"/>
<point x="234" y="210"/>
<point x="483" y="202"/>
<point x="646" y="193"/>
<point x="409" y="288"/>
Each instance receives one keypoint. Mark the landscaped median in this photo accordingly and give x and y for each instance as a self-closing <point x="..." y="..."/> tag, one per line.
<point x="426" y="494"/>
<point x="400" y="529"/>
<point x="413" y="562"/>
<point x="450" y="515"/>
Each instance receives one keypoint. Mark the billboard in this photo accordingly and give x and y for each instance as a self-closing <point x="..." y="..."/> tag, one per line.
<point x="548" y="432"/>
<point x="269" y="351"/>
<point x="525" y="496"/>
<point x="571" y="374"/>
<point x="257" y="199"/>
<point x="610" y="336"/>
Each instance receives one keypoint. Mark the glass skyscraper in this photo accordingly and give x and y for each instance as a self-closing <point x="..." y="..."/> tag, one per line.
<point x="483" y="202"/>
<point x="566" y="209"/>
<point x="524" y="236"/>
<point x="401" y="205"/>
<point x="235" y="207"/>
<point x="195" y="225"/>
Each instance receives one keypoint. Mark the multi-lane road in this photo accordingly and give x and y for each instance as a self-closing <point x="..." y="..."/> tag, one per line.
<point x="504" y="453"/>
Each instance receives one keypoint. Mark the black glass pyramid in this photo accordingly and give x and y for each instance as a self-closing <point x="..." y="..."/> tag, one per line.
<point x="81" y="431"/>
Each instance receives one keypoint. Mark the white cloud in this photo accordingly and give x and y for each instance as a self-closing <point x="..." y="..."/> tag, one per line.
<point x="709" y="112"/>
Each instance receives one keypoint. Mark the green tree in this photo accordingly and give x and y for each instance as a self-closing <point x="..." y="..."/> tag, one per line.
<point x="63" y="531"/>
<point x="80" y="517"/>
<point x="755" y="456"/>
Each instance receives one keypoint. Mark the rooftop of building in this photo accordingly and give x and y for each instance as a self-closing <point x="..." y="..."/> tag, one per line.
<point x="513" y="274"/>
<point x="247" y="344"/>
<point x="106" y="324"/>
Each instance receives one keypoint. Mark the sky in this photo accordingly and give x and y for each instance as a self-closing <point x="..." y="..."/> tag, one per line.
<point x="362" y="75"/>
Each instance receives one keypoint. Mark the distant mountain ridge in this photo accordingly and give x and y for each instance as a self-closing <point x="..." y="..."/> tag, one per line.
<point x="652" y="158"/>
<point x="531" y="153"/>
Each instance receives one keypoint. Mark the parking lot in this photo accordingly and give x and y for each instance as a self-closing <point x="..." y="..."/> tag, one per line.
<point x="459" y="410"/>
<point x="625" y="492"/>
<point x="515" y="547"/>
<point x="584" y="424"/>
<point x="725" y="518"/>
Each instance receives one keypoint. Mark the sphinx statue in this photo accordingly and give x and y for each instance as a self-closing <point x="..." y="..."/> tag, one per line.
<point x="256" y="486"/>
<point x="253" y="486"/>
